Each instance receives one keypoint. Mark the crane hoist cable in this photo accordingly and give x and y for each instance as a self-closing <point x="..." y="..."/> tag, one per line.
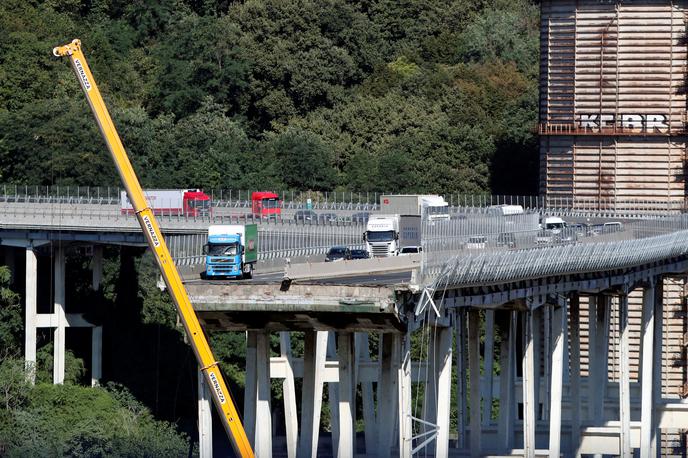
<point x="144" y="214"/>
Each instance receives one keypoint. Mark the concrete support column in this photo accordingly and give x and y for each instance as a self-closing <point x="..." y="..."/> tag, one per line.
<point x="263" y="426"/>
<point x="538" y="345"/>
<point x="474" y="368"/>
<point x="507" y="374"/>
<point x="250" y="389"/>
<point x="31" y="294"/>
<point x="289" y="395"/>
<point x="544" y="387"/>
<point x="429" y="409"/>
<point x="647" y="338"/>
<point x="347" y="395"/>
<point x="387" y="392"/>
<point x="60" y="315"/>
<point x="368" y="399"/>
<point x="315" y="348"/>
<point x="405" y="408"/>
<point x="442" y="349"/>
<point x="488" y="367"/>
<point x="460" y="329"/>
<point x="592" y="358"/>
<point x="528" y="386"/>
<point x="96" y="355"/>
<point x="558" y="316"/>
<point x="205" y="419"/>
<point x="97" y="331"/>
<point x="599" y="349"/>
<point x="333" y="394"/>
<point x="574" y="345"/>
<point x="655" y="440"/>
<point x="97" y="267"/>
<point x="624" y="379"/>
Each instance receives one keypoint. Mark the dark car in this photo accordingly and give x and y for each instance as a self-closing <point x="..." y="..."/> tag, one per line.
<point x="580" y="229"/>
<point x="327" y="218"/>
<point x="337" y="253"/>
<point x="410" y="250"/>
<point x="305" y="216"/>
<point x="360" y="218"/>
<point x="359" y="254"/>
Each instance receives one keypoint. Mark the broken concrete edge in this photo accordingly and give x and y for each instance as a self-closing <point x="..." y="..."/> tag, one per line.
<point x="323" y="307"/>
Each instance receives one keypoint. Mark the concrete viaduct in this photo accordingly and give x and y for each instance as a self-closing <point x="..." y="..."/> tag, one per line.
<point x="581" y="326"/>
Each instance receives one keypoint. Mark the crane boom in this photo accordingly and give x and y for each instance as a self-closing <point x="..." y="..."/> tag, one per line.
<point x="151" y="230"/>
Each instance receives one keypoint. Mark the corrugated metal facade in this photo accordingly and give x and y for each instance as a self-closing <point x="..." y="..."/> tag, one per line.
<point x="613" y="99"/>
<point x="613" y="128"/>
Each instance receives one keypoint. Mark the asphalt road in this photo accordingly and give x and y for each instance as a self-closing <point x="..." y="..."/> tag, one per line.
<point x="276" y="277"/>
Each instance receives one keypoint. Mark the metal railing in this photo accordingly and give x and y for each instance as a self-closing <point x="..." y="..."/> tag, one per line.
<point x="336" y="200"/>
<point x="274" y="242"/>
<point x="476" y="248"/>
<point x="57" y="213"/>
<point x="221" y="198"/>
<point x="609" y="206"/>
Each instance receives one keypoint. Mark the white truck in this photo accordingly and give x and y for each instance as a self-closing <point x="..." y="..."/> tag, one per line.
<point x="505" y="210"/>
<point x="414" y="204"/>
<point x="385" y="235"/>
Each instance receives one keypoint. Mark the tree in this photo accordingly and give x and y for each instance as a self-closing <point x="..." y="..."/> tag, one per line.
<point x="303" y="55"/>
<point x="509" y="33"/>
<point x="304" y="160"/>
<point x="69" y="420"/>
<point x="214" y="151"/>
<point x="200" y="57"/>
<point x="10" y="316"/>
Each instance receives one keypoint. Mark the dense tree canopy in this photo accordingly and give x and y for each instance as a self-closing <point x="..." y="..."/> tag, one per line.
<point x="296" y="94"/>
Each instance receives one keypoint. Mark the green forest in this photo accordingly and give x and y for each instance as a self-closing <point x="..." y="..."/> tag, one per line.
<point x="363" y="95"/>
<point x="432" y="96"/>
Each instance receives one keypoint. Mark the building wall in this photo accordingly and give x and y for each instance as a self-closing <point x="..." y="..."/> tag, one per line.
<point x="613" y="100"/>
<point x="612" y="131"/>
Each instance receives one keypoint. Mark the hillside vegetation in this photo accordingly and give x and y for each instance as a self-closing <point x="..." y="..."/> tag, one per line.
<point x="361" y="95"/>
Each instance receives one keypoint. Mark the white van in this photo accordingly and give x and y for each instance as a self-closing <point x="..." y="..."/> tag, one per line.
<point x="554" y="224"/>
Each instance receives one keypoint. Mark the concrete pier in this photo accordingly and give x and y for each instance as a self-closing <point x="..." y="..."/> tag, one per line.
<point x="589" y="410"/>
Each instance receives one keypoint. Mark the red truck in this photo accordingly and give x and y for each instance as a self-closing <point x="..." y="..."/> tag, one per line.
<point x="183" y="202"/>
<point x="265" y="205"/>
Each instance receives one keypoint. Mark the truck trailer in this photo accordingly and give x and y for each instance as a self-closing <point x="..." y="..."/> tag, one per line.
<point x="182" y="202"/>
<point x="231" y="251"/>
<point x="385" y="235"/>
<point x="414" y="204"/>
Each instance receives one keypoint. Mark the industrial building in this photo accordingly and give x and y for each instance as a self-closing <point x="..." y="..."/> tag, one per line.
<point x="613" y="131"/>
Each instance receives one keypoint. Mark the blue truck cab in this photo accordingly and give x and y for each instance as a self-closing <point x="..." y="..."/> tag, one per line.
<point x="231" y="251"/>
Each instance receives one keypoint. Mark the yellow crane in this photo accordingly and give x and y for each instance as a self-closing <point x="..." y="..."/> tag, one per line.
<point x="151" y="230"/>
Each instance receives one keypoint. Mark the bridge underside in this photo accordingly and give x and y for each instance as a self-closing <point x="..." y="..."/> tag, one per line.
<point x="526" y="293"/>
<point x="303" y="307"/>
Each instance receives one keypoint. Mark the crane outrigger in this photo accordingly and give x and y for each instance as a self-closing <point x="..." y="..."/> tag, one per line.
<point x="156" y="242"/>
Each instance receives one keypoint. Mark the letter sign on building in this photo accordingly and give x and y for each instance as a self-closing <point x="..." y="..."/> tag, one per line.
<point x="642" y="122"/>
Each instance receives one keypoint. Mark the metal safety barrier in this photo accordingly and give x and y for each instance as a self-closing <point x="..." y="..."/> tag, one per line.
<point x="476" y="248"/>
